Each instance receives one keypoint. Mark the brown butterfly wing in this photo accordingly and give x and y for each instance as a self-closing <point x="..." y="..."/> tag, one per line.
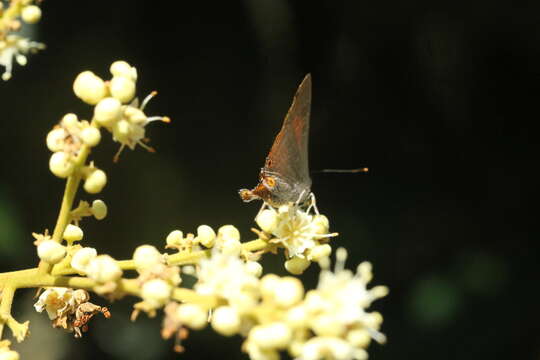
<point x="288" y="157"/>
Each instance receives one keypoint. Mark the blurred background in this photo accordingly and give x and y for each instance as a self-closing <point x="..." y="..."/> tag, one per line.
<point x="439" y="100"/>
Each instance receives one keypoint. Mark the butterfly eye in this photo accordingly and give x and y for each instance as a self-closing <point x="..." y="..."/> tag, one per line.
<point x="270" y="181"/>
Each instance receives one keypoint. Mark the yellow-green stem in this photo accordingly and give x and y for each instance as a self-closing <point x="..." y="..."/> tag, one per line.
<point x="8" y="292"/>
<point x="70" y="191"/>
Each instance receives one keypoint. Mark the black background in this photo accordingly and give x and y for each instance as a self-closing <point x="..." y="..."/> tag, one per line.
<point x="439" y="100"/>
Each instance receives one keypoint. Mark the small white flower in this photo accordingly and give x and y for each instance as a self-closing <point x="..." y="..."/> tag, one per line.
<point x="297" y="317"/>
<point x="267" y="220"/>
<point x="81" y="259"/>
<point x="256" y="353"/>
<point x="122" y="88"/>
<point x="276" y="335"/>
<point x="175" y="238"/>
<point x="206" y="236"/>
<point x="91" y="136"/>
<point x="73" y="233"/>
<point x="70" y="121"/>
<point x="319" y="252"/>
<point x="192" y="315"/>
<point x="228" y="240"/>
<point x="99" y="209"/>
<point x="51" y="252"/>
<point x="6" y="354"/>
<point x="296" y="265"/>
<point x="122" y="68"/>
<point x="288" y="291"/>
<point x="56" y="138"/>
<point x="297" y="230"/>
<point x="103" y="269"/>
<point x="61" y="164"/>
<point x="16" y="47"/>
<point x="130" y="129"/>
<point x="89" y="87"/>
<point x="254" y="268"/>
<point x="31" y="14"/>
<point x="226" y="276"/>
<point x="156" y="292"/>
<point x="95" y="182"/>
<point x="331" y="348"/>
<point x="108" y="111"/>
<point x="146" y="256"/>
<point x="226" y="320"/>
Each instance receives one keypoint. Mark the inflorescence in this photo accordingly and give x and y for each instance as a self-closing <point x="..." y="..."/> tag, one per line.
<point x="231" y="293"/>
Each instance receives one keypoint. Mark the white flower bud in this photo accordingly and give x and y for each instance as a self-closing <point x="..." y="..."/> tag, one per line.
<point x="314" y="302"/>
<point x="51" y="252"/>
<point x="95" y="182"/>
<point x="227" y="232"/>
<point x="269" y="283"/>
<point x="55" y="139"/>
<point x="229" y="240"/>
<point x="359" y="338"/>
<point x="108" y="111"/>
<point x="254" y="268"/>
<point x="73" y="233"/>
<point x="206" y="236"/>
<point x="288" y="292"/>
<point x="373" y="320"/>
<point x="296" y="265"/>
<point x="156" y="292"/>
<point x="321" y="224"/>
<point x="70" y="121"/>
<point x="122" y="88"/>
<point x="226" y="321"/>
<point x="9" y="355"/>
<point x="31" y="14"/>
<point x="103" y="269"/>
<point x="146" y="256"/>
<point x="99" y="209"/>
<point x="192" y="315"/>
<point x="327" y="325"/>
<point x="320" y="251"/>
<point x="81" y="259"/>
<point x="61" y="165"/>
<point x="122" y="68"/>
<point x="275" y="335"/>
<point x="91" y="136"/>
<point x="297" y="317"/>
<point x="89" y="87"/>
<point x="267" y="220"/>
<point x="175" y="238"/>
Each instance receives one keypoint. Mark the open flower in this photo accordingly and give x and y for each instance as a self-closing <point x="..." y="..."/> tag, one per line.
<point x="129" y="129"/>
<point x="298" y="231"/>
<point x="15" y="47"/>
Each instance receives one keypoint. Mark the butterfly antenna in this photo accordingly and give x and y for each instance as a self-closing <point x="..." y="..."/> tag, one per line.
<point x="343" y="171"/>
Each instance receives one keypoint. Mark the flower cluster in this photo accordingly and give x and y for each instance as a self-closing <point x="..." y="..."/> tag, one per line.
<point x="303" y="235"/>
<point x="15" y="47"/>
<point x="69" y="309"/>
<point x="156" y="279"/>
<point x="275" y="314"/>
<point x="103" y="269"/>
<point x="115" y="110"/>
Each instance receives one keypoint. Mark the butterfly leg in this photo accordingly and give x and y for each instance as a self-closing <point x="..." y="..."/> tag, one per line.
<point x="313" y="204"/>
<point x="264" y="205"/>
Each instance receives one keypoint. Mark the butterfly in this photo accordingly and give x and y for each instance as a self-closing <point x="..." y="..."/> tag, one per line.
<point x="285" y="177"/>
